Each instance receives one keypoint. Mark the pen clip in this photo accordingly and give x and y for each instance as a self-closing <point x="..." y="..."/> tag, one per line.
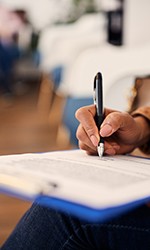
<point x="94" y="91"/>
<point x="98" y="93"/>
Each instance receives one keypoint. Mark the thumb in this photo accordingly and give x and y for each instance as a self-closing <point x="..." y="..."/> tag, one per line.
<point x="113" y="122"/>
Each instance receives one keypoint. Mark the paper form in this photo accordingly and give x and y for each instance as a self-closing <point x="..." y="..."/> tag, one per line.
<point x="75" y="176"/>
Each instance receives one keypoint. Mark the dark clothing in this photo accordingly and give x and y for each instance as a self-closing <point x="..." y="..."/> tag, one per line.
<point x="9" y="53"/>
<point x="47" y="229"/>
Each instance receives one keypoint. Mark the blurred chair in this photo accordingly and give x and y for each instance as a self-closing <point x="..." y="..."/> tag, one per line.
<point x="62" y="118"/>
<point x="119" y="67"/>
<point x="68" y="118"/>
<point x="87" y="32"/>
<point x="115" y="63"/>
<point x="45" y="96"/>
<point x="9" y="54"/>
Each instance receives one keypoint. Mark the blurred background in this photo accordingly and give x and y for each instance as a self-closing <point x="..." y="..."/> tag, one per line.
<point x="50" y="51"/>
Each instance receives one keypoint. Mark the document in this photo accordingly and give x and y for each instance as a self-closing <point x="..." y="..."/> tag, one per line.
<point x="75" y="177"/>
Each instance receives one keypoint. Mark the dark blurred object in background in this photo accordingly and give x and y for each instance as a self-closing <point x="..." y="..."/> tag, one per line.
<point x="115" y="25"/>
<point x="28" y="37"/>
<point x="10" y="23"/>
<point x="19" y="57"/>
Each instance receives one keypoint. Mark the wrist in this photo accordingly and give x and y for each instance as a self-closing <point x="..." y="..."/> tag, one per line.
<point x="142" y="117"/>
<point x="144" y="130"/>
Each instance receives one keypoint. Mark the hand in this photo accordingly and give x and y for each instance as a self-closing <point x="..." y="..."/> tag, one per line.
<point x="121" y="131"/>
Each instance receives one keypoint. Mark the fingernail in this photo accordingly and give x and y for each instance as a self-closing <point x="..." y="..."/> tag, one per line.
<point x="106" y="130"/>
<point x="94" y="140"/>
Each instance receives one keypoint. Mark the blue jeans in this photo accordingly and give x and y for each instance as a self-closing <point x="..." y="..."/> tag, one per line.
<point x="46" y="229"/>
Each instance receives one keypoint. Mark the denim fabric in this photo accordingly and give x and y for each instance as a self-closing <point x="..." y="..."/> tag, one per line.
<point x="46" y="229"/>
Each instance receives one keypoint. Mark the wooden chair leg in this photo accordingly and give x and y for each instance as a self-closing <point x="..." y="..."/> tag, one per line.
<point x="45" y="97"/>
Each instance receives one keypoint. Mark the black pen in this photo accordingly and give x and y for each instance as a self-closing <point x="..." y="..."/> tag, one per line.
<point x="98" y="101"/>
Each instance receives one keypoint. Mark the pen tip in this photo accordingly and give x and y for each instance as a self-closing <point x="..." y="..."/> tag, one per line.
<point x="100" y="150"/>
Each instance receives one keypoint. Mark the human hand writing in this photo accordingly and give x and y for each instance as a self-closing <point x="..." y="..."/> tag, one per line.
<point x="122" y="132"/>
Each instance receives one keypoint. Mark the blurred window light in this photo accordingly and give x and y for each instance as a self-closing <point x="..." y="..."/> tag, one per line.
<point x="52" y="11"/>
<point x="108" y="5"/>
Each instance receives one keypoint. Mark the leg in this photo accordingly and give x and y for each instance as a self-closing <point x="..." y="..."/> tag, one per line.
<point x="44" y="228"/>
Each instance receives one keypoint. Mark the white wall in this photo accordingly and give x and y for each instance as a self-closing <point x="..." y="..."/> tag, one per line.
<point x="137" y="20"/>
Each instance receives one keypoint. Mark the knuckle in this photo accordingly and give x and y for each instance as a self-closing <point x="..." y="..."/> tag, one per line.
<point x="80" y="135"/>
<point x="82" y="146"/>
<point x="114" y="118"/>
<point x="118" y="119"/>
<point x="79" y="113"/>
<point x="91" y="131"/>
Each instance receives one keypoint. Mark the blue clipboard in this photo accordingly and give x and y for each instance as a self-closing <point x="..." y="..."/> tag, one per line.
<point x="88" y="213"/>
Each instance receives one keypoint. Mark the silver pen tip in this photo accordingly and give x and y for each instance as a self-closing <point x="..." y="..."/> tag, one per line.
<point x="100" y="150"/>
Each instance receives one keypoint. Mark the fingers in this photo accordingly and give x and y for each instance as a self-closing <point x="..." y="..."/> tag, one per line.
<point x="84" y="140"/>
<point x="85" y="117"/>
<point x="113" y="122"/>
<point x="88" y="150"/>
<point x="88" y="134"/>
<point x="111" y="148"/>
<point x="119" y="129"/>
